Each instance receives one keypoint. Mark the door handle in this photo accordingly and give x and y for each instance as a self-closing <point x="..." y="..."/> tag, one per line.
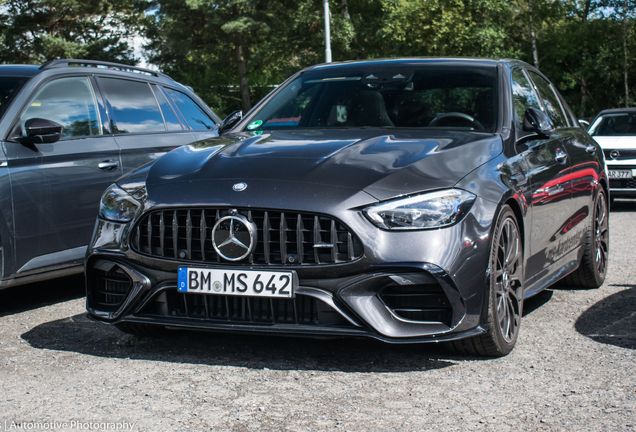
<point x="561" y="156"/>
<point x="590" y="149"/>
<point x="108" y="165"/>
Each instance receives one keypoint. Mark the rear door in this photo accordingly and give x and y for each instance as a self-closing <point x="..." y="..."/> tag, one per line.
<point x="56" y="187"/>
<point x="144" y="122"/>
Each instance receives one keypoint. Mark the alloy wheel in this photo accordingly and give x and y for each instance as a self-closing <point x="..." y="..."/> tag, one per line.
<point x="507" y="281"/>
<point x="601" y="233"/>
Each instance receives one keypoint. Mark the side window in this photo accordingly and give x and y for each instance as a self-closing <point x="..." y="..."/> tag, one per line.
<point x="69" y="102"/>
<point x="169" y="116"/>
<point x="197" y="118"/>
<point x="523" y="95"/>
<point x="134" y="108"/>
<point x="552" y="105"/>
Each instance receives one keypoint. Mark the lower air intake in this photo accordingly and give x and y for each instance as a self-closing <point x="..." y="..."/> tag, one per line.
<point x="420" y="303"/>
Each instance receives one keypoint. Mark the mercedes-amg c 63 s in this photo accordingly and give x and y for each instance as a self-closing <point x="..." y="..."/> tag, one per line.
<point x="407" y="200"/>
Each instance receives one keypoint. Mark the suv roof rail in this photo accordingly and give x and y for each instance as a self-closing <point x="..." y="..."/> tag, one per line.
<point x="101" y="65"/>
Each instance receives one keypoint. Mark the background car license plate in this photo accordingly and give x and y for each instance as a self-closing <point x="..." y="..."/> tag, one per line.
<point x="620" y="174"/>
<point x="236" y="282"/>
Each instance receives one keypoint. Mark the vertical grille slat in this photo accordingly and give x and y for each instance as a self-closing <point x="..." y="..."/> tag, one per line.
<point x="162" y="235"/>
<point x="203" y="228"/>
<point x="175" y="234"/>
<point x="334" y="242"/>
<point x="300" y="238"/>
<point x="282" y="238"/>
<point x="266" y="228"/>
<point x="189" y="235"/>
<point x="317" y="239"/>
<point x="150" y="234"/>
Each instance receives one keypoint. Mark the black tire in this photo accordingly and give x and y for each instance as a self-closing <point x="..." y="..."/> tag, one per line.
<point x="505" y="297"/>
<point x="141" y="330"/>
<point x="593" y="268"/>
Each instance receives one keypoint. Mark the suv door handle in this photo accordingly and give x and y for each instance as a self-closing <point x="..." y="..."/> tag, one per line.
<point x="561" y="156"/>
<point x="590" y="149"/>
<point x="108" y="165"/>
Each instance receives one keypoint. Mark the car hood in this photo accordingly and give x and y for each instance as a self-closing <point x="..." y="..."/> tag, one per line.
<point x="616" y="142"/>
<point x="382" y="164"/>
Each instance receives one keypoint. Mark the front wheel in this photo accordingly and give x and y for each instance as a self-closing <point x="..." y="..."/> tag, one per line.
<point x="505" y="297"/>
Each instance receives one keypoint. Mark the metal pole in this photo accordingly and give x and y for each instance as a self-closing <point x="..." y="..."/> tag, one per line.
<point x="327" y="33"/>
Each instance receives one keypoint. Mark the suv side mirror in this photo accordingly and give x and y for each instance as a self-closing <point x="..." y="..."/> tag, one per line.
<point x="584" y="124"/>
<point x="40" y="131"/>
<point x="230" y="121"/>
<point x="536" y="121"/>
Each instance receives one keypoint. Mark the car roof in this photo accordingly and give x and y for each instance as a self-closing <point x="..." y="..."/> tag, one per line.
<point x="616" y="110"/>
<point x="74" y="64"/>
<point x="413" y="61"/>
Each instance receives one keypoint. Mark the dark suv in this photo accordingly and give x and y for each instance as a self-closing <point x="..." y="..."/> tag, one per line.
<point x="69" y="128"/>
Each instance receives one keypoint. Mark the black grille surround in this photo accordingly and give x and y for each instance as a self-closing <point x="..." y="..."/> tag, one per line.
<point x="284" y="237"/>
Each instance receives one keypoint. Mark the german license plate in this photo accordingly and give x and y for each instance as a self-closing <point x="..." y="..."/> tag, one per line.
<point x="253" y="283"/>
<point x="620" y="174"/>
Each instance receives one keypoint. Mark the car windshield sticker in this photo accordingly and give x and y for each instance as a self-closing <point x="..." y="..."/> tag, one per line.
<point x="255" y="124"/>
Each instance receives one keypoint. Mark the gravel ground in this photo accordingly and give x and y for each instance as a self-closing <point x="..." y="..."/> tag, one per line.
<point x="572" y="369"/>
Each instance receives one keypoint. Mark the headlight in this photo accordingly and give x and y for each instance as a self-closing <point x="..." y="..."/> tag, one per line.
<point x="429" y="210"/>
<point x="117" y="205"/>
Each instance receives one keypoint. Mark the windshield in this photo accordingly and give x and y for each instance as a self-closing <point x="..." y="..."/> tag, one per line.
<point x="9" y="87"/>
<point x="457" y="98"/>
<point x="615" y="124"/>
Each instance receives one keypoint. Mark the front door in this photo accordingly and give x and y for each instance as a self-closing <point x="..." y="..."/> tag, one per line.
<point x="56" y="188"/>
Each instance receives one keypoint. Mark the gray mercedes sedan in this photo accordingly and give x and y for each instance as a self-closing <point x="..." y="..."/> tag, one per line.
<point x="407" y="200"/>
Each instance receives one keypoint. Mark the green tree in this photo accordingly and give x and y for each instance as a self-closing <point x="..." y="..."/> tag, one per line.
<point x="34" y="31"/>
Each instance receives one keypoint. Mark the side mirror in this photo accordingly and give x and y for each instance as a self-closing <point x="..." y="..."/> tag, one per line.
<point x="536" y="121"/>
<point x="584" y="124"/>
<point x="230" y="121"/>
<point x="40" y="131"/>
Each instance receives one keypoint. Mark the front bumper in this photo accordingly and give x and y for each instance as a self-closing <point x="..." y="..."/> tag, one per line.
<point x="408" y="287"/>
<point x="625" y="188"/>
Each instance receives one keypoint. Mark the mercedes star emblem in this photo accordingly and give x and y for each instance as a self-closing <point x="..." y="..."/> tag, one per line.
<point x="234" y="237"/>
<point x="615" y="154"/>
<point x="239" y="187"/>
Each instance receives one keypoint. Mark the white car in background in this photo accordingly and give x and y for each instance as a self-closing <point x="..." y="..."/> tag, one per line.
<point x="615" y="131"/>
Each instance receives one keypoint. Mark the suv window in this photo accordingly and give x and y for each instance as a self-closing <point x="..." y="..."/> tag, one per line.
<point x="134" y="108"/>
<point x="550" y="101"/>
<point x="195" y="116"/>
<point x="523" y="95"/>
<point x="172" y="123"/>
<point x="69" y="102"/>
<point x="9" y="87"/>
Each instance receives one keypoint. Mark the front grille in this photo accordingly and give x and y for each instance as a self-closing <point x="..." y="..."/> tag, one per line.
<point x="238" y="309"/>
<point x="425" y="303"/>
<point x="108" y="288"/>
<point x="286" y="238"/>
<point x="623" y="184"/>
<point x="623" y="154"/>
